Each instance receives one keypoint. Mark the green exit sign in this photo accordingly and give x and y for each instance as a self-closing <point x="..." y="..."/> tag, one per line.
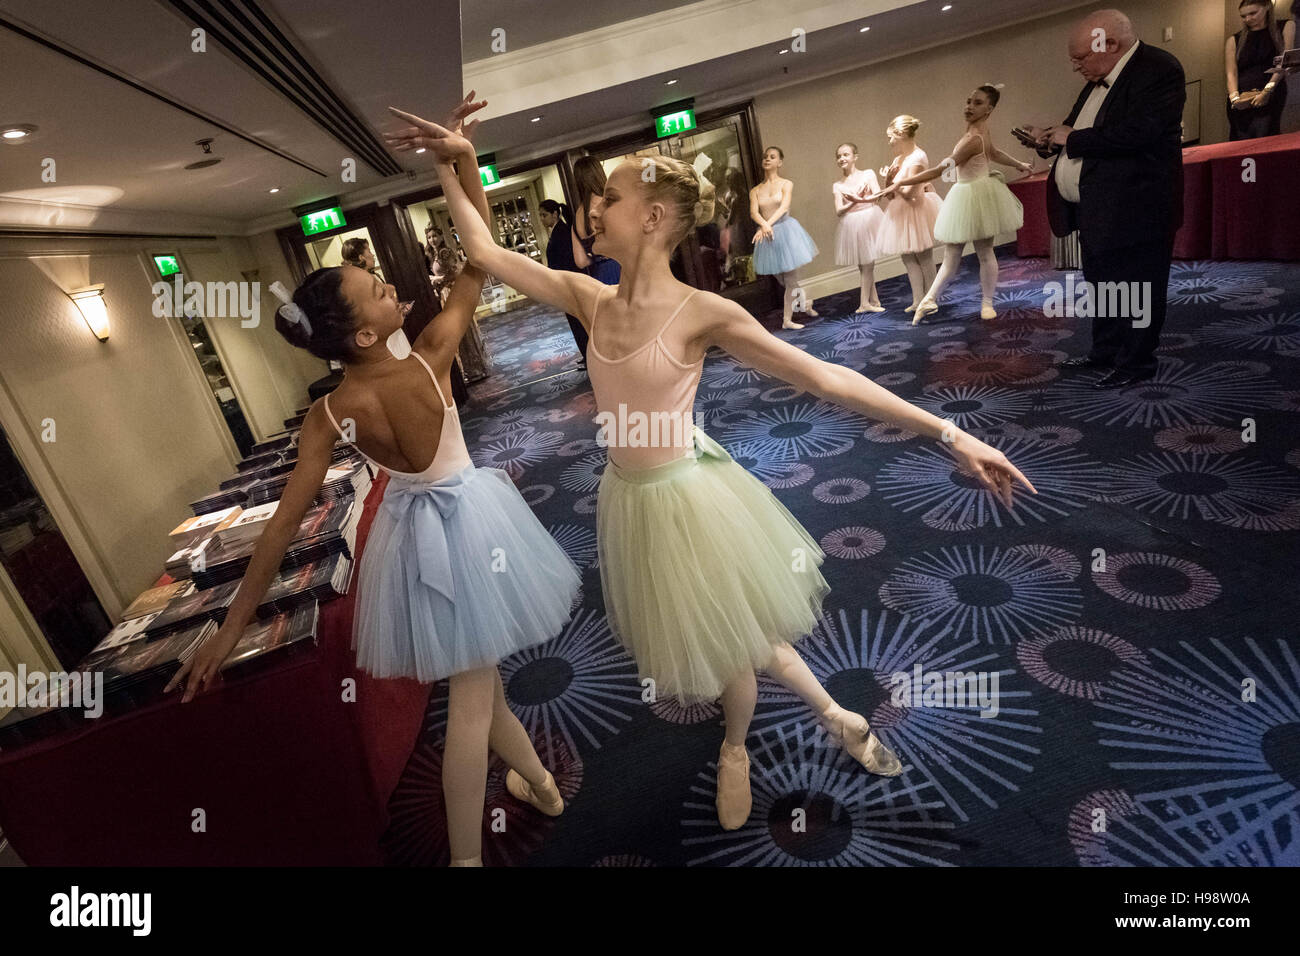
<point x="671" y="124"/>
<point x="489" y="175"/>
<point x="322" y="220"/>
<point x="167" y="265"/>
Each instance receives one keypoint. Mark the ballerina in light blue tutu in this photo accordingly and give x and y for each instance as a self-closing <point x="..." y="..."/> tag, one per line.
<point x="781" y="245"/>
<point x="978" y="207"/>
<point x="457" y="571"/>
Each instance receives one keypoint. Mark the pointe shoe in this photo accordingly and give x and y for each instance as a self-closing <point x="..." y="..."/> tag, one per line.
<point x="546" y="798"/>
<point x="987" y="311"/>
<point x="926" y="306"/>
<point x="471" y="861"/>
<point x="734" y="799"/>
<point x="853" y="733"/>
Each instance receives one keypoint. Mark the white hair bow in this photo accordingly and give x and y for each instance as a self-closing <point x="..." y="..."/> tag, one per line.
<point x="291" y="311"/>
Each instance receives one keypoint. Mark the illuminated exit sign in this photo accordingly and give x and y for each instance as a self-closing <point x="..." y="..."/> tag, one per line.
<point x="322" y="220"/>
<point x="671" y="124"/>
<point x="489" y="175"/>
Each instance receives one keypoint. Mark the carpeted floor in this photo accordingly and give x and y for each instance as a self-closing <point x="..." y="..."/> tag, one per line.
<point x="1136" y="619"/>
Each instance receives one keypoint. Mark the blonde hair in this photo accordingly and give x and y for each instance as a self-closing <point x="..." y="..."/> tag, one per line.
<point x="905" y="124"/>
<point x="678" y="186"/>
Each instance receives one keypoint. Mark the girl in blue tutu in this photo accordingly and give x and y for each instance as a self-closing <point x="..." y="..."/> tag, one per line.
<point x="781" y="245"/>
<point x="457" y="572"/>
<point x="707" y="577"/>
<point x="978" y="207"/>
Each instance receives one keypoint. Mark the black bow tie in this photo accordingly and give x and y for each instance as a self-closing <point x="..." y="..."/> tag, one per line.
<point x="1102" y="83"/>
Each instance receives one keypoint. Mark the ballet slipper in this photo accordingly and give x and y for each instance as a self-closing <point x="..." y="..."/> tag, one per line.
<point x="926" y="306"/>
<point x="853" y="733"/>
<point x="791" y="325"/>
<point x="471" y="861"/>
<point x="546" y="798"/>
<point x="734" y="799"/>
<point x="987" y="311"/>
<point x="872" y="308"/>
<point x="912" y="307"/>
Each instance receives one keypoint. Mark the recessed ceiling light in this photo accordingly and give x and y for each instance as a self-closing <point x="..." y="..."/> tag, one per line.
<point x="275" y="189"/>
<point x="670" y="83"/>
<point x="945" y="8"/>
<point x="535" y="119"/>
<point x="779" y="52"/>
<point x="420" y="150"/>
<point x="864" y="29"/>
<point x="17" y="132"/>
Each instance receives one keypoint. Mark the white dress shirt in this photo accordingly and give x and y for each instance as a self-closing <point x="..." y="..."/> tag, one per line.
<point x="1069" y="170"/>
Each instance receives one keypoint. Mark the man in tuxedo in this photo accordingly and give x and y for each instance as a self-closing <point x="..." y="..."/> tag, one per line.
<point x="1118" y="180"/>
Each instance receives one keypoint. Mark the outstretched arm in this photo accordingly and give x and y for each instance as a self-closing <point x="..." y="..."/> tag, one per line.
<point x="737" y="332"/>
<point x="1007" y="160"/>
<point x="967" y="148"/>
<point x="315" y="445"/>
<point x="569" y="292"/>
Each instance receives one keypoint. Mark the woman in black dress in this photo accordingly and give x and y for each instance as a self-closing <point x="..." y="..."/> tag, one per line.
<point x="558" y="218"/>
<point x="1256" y="96"/>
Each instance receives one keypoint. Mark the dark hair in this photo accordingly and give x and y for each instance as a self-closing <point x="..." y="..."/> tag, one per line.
<point x="590" y="177"/>
<point x="991" y="92"/>
<point x="352" y="249"/>
<point x="557" y="208"/>
<point x="1270" y="26"/>
<point x="328" y="312"/>
<point x="780" y="152"/>
<point x="851" y="146"/>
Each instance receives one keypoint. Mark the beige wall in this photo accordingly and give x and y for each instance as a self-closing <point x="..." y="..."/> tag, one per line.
<point x="138" y="432"/>
<point x="809" y="120"/>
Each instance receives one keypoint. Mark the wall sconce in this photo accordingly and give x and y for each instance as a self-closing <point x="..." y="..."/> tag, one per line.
<point x="90" y="302"/>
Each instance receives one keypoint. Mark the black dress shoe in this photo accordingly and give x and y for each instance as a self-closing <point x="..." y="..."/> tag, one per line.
<point x="1122" y="379"/>
<point x="1082" y="361"/>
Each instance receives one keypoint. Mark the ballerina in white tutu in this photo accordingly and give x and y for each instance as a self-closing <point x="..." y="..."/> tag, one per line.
<point x="857" y="236"/>
<point x="781" y="245"/>
<point x="977" y="208"/>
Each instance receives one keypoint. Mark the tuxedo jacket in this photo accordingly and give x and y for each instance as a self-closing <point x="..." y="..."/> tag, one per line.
<point x="1131" y="183"/>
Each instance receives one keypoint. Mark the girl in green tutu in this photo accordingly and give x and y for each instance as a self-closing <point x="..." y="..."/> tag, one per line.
<point x="707" y="578"/>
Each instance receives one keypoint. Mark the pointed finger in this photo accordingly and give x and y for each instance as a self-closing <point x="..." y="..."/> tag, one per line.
<point x="1020" y="477"/>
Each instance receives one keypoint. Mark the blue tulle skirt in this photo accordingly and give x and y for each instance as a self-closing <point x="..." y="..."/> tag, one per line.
<point x="457" y="574"/>
<point x="789" y="248"/>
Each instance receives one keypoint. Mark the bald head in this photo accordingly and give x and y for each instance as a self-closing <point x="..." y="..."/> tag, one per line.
<point x="1099" y="41"/>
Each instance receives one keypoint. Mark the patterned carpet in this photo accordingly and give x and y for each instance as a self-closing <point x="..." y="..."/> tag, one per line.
<point x="1135" y="613"/>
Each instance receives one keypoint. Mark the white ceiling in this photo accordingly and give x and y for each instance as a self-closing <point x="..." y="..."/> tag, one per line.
<point x="119" y="150"/>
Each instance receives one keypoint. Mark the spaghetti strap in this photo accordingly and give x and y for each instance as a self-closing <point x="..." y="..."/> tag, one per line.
<point x="595" y="307"/>
<point x="441" y="397"/>
<point x="330" y="415"/>
<point x="675" y="313"/>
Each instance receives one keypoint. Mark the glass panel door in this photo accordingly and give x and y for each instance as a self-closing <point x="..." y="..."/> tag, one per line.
<point x="43" y="568"/>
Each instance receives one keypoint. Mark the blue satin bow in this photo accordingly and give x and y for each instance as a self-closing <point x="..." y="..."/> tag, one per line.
<point x="443" y="496"/>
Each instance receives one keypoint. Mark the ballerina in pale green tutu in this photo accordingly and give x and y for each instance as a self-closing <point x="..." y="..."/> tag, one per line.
<point x="977" y="208"/>
<point x="707" y="578"/>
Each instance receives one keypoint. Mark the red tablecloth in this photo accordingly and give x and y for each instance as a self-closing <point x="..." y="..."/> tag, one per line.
<point x="1224" y="216"/>
<point x="286" y="772"/>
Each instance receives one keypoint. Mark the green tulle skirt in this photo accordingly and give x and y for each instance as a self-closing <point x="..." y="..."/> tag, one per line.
<point x="704" y="571"/>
